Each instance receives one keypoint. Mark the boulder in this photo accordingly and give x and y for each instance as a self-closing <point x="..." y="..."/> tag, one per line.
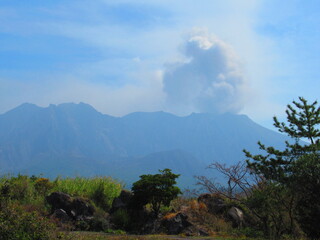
<point x="60" y="200"/>
<point x="236" y="216"/>
<point x="215" y="204"/>
<point x="75" y="208"/>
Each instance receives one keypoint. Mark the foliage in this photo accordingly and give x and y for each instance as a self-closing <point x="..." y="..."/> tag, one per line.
<point x="157" y="189"/>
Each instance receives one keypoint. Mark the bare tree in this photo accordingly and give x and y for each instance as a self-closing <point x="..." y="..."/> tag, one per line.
<point x="240" y="180"/>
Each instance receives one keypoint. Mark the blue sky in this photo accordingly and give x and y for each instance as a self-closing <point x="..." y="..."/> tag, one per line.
<point x="120" y="56"/>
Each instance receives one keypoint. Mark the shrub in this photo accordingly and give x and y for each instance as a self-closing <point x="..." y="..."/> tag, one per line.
<point x="43" y="186"/>
<point x="20" y="188"/>
<point x="16" y="223"/>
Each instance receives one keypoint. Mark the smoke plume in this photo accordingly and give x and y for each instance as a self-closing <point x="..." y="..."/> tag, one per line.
<point x="210" y="80"/>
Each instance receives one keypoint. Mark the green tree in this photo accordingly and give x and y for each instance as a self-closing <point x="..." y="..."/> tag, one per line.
<point x="296" y="169"/>
<point x="158" y="189"/>
<point x="302" y="124"/>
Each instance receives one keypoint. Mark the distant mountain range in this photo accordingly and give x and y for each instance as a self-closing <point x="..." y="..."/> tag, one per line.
<point x="76" y="140"/>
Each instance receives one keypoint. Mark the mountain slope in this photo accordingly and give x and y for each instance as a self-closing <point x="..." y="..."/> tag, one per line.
<point x="75" y="139"/>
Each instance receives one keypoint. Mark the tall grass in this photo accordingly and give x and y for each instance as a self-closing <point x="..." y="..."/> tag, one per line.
<point x="24" y="189"/>
<point x="102" y="190"/>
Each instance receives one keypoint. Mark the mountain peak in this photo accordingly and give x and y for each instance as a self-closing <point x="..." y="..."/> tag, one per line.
<point x="74" y="107"/>
<point x="24" y="108"/>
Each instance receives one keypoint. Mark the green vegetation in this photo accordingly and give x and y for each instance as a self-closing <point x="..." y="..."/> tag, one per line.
<point x="157" y="189"/>
<point x="101" y="190"/>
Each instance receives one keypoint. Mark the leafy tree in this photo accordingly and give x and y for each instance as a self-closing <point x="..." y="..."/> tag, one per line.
<point x="157" y="189"/>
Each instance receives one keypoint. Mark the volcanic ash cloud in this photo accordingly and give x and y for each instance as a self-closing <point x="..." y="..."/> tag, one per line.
<point x="209" y="80"/>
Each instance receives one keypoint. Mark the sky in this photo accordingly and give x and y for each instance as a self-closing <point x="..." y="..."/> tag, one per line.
<point x="249" y="57"/>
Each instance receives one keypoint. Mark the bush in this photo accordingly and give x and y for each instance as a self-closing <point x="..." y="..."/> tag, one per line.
<point x="43" y="186"/>
<point x="16" y="223"/>
<point x="18" y="188"/>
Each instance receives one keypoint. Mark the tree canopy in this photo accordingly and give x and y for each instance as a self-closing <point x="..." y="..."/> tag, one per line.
<point x="156" y="189"/>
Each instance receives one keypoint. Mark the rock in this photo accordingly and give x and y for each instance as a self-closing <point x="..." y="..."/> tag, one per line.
<point x="75" y="208"/>
<point x="236" y="216"/>
<point x="176" y="224"/>
<point x="123" y="201"/>
<point x="59" y="200"/>
<point x="215" y="204"/>
<point x="61" y="215"/>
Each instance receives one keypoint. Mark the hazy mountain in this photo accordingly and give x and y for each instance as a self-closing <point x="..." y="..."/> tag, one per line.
<point x="75" y="139"/>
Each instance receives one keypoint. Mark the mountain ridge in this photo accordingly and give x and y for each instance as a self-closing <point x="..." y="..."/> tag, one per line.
<point x="69" y="139"/>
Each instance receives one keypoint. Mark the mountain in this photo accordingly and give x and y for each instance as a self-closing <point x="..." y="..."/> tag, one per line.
<point x="74" y="139"/>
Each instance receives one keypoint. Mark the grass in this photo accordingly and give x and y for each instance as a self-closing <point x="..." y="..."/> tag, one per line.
<point x="31" y="190"/>
<point x="102" y="190"/>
